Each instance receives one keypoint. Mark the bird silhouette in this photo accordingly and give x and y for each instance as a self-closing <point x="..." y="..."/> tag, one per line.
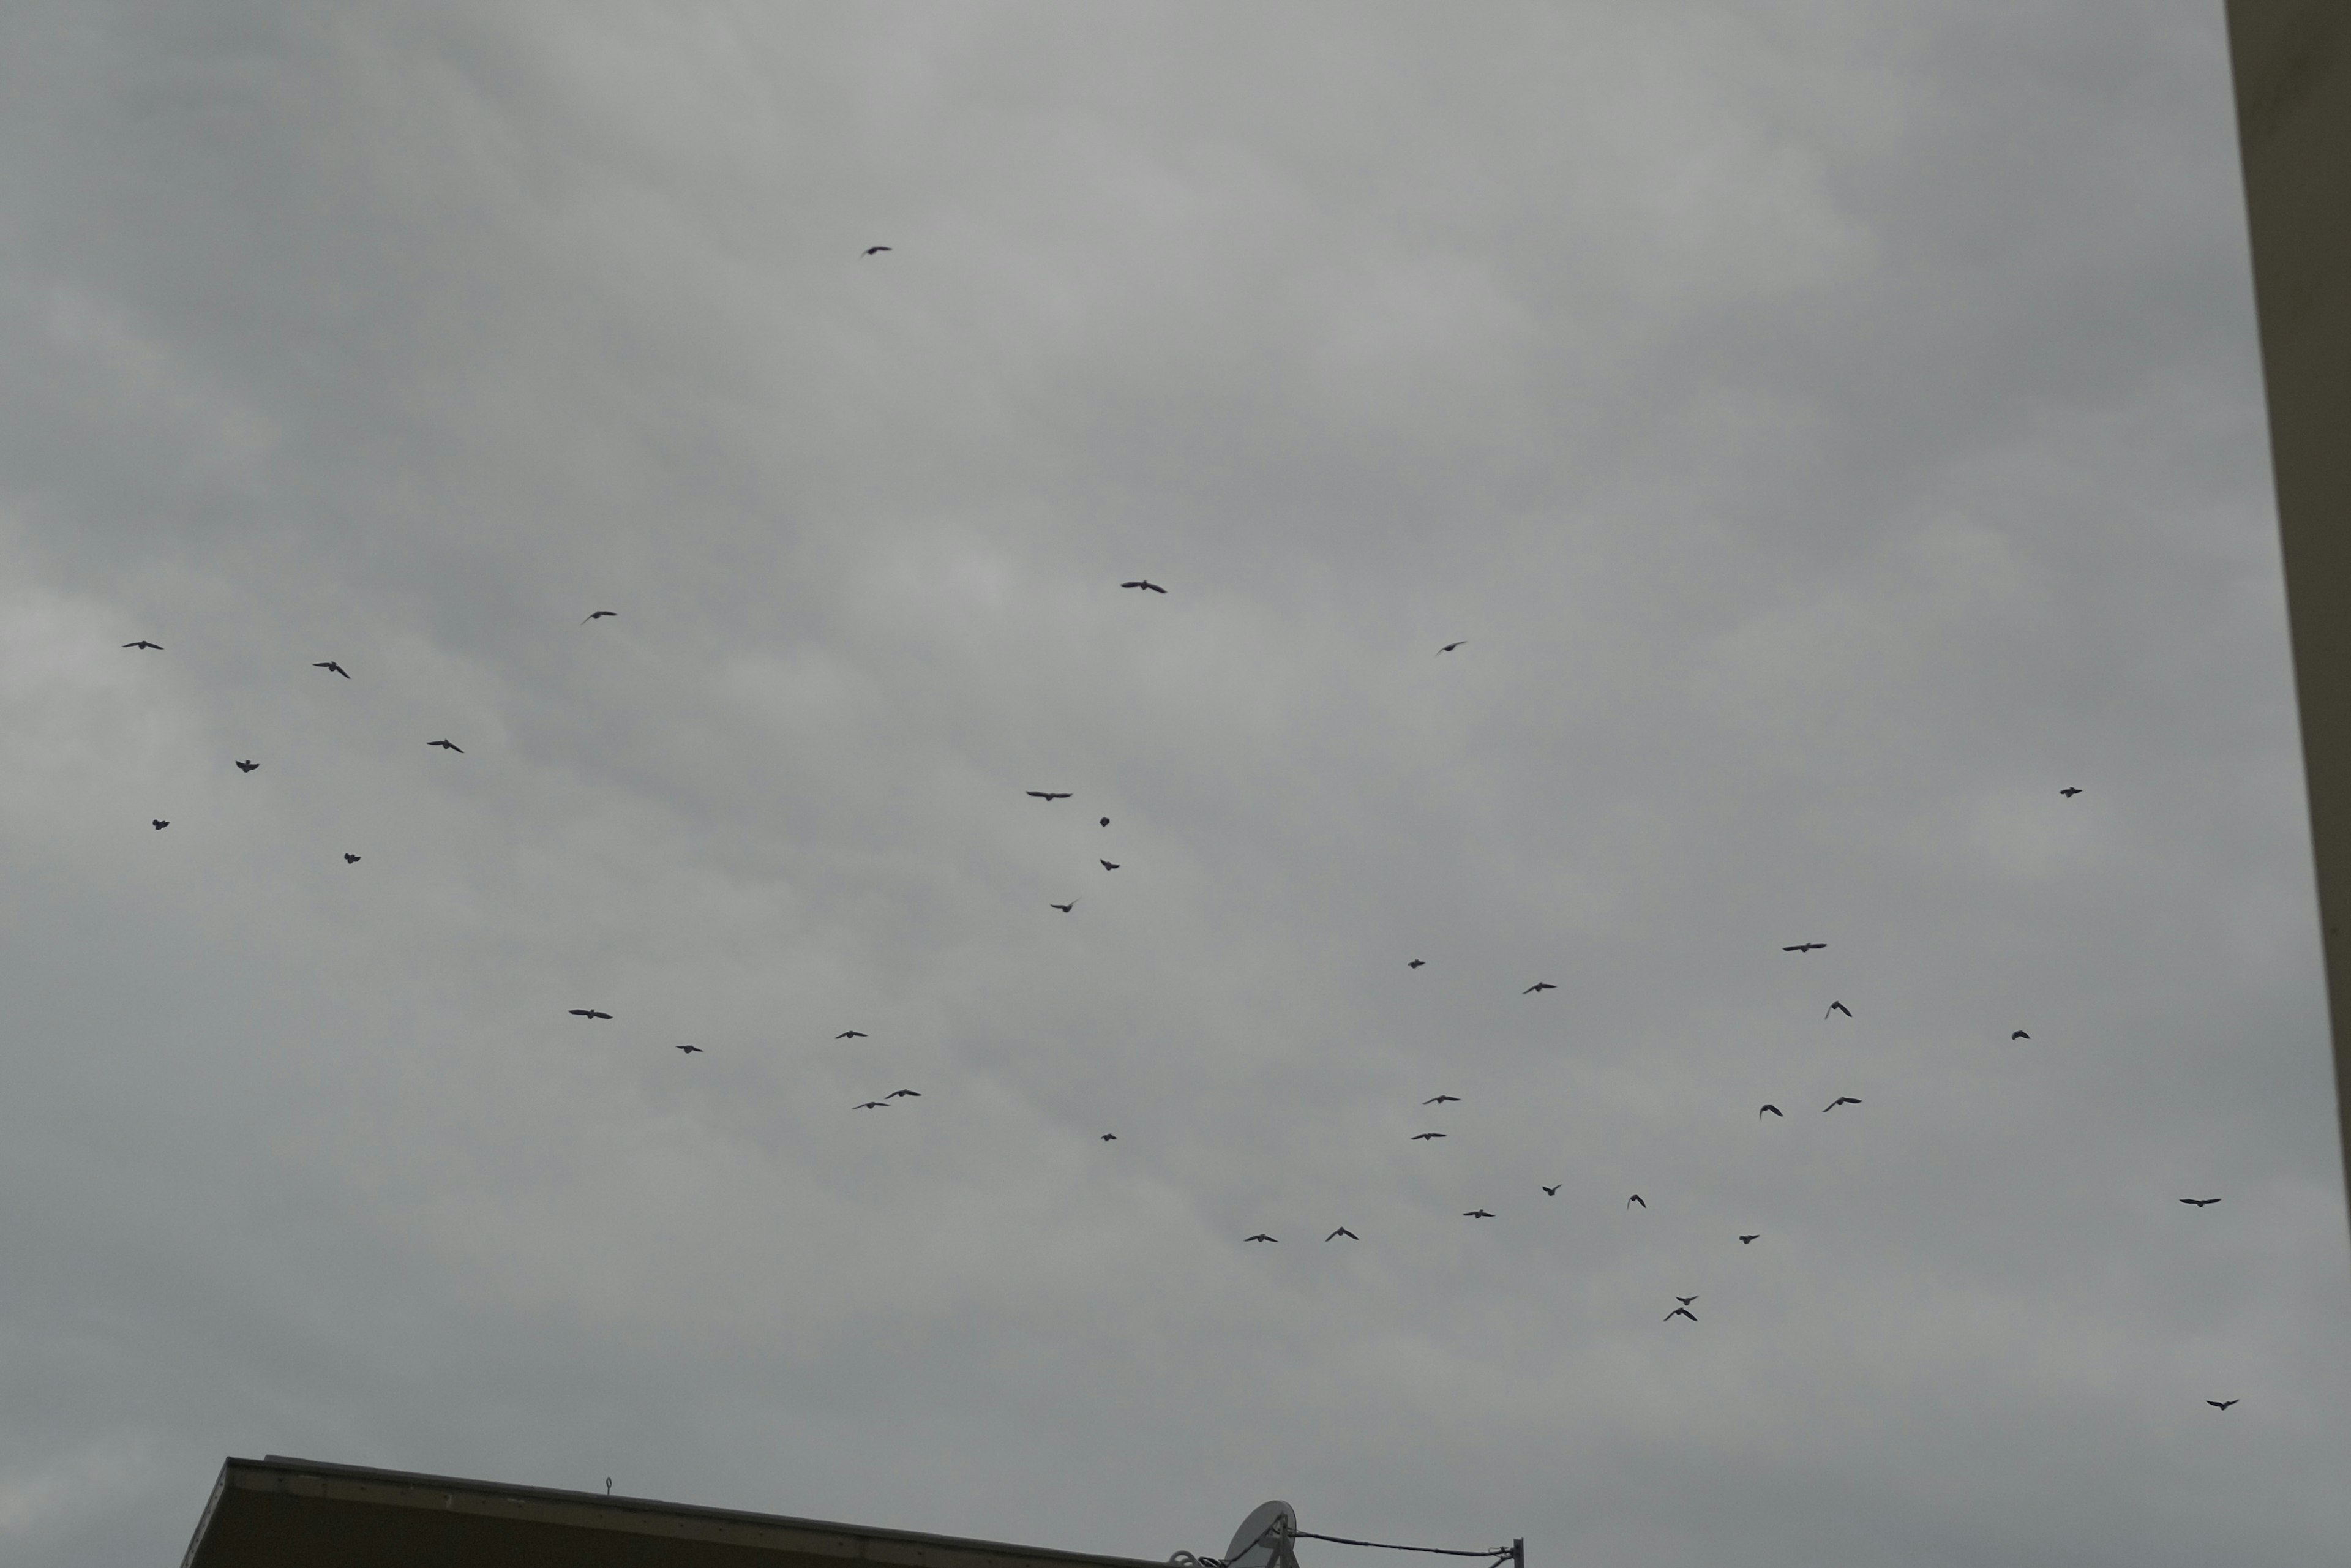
<point x="1476" y="1214"/>
<point x="1048" y="795"/>
<point x="1745" y="1239"/>
<point x="330" y="664"/>
<point x="875" y="249"/>
<point x="872" y="1105"/>
<point x="691" y="1050"/>
<point x="1261" y="1236"/>
<point x="246" y="767"/>
<point x="1105" y="822"/>
<point x="1442" y="1100"/>
<point x="1342" y="1230"/>
<point x="588" y="1013"/>
<point x="350" y="859"/>
<point x="447" y="746"/>
<point x="1144" y="582"/>
<point x="143" y="642"/>
<point x="1840" y="1100"/>
<point x="1551" y="1191"/>
<point x="1450" y="646"/>
<point x="1636" y="1197"/>
<point x="1774" y="1110"/>
<point x="1110" y="1138"/>
<point x="1064" y="908"/>
<point x="1838" y="1007"/>
<point x="2220" y="1404"/>
<point x="1423" y="1138"/>
<point x="851" y="1034"/>
<point x="1681" y="1312"/>
<point x="1806" y="948"/>
<point x="903" y="1094"/>
<point x="2069" y="793"/>
<point x="1109" y="865"/>
<point x="598" y="615"/>
<point x="1417" y="964"/>
<point x="2020" y="1034"/>
<point x="2200" y="1202"/>
<point x="159" y="823"/>
<point x="1538" y="986"/>
<point x="1686" y="1301"/>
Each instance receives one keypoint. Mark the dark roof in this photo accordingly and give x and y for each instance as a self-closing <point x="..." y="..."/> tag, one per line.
<point x="296" y="1513"/>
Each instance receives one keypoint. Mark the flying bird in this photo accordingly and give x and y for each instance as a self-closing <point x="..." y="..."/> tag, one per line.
<point x="246" y="767"/>
<point x="2020" y="1034"/>
<point x="598" y="615"/>
<point x="2220" y="1404"/>
<point x="1423" y="1138"/>
<point x="1551" y="1191"/>
<point x="691" y="1050"/>
<point x="1840" y="1100"/>
<point x="1774" y="1110"/>
<point x="588" y="1013"/>
<point x="1048" y="795"/>
<point x="159" y="823"/>
<point x="1686" y="1301"/>
<point x="1105" y="822"/>
<point x="851" y="1034"/>
<point x="350" y="859"/>
<point x="1064" y="908"/>
<point x="1636" y="1197"/>
<point x="1109" y="865"/>
<point x="1806" y="948"/>
<point x="1442" y="1100"/>
<point x="1417" y="964"/>
<point x="1476" y="1214"/>
<point x="1838" y="1007"/>
<point x="1144" y="582"/>
<point x="872" y="1105"/>
<point x="1110" y="1138"/>
<point x="2069" y="793"/>
<point x="1261" y="1236"/>
<point x="1681" y="1312"/>
<point x="1538" y="986"/>
<point x="143" y="642"/>
<point x="2200" y="1202"/>
<point x="330" y="664"/>
<point x="1450" y="646"/>
<point x="875" y="249"/>
<point x="1342" y="1230"/>
<point x="903" y="1094"/>
<point x="447" y="746"/>
<point x="1745" y="1239"/>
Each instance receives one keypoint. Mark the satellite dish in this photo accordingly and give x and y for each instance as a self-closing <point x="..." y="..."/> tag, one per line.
<point x="1263" y="1538"/>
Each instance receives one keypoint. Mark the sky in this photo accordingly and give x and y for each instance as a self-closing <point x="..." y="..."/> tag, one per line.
<point x="1830" y="428"/>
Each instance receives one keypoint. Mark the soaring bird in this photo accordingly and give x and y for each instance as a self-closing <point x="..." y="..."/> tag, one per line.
<point x="1551" y="1191"/>
<point x="1538" y="986"/>
<point x="1417" y="964"/>
<point x="1109" y="865"/>
<point x="330" y="664"/>
<point x="1261" y="1236"/>
<point x="872" y="1105"/>
<point x="1745" y="1239"/>
<point x="1144" y="582"/>
<point x="1450" y="646"/>
<point x="1105" y="822"/>
<point x="1442" y="1100"/>
<point x="2069" y="793"/>
<point x="875" y="249"/>
<point x="350" y="859"/>
<point x="2200" y="1202"/>
<point x="1838" y="1007"/>
<point x="246" y="767"/>
<point x="903" y="1094"/>
<point x="1681" y="1312"/>
<point x="1048" y="795"/>
<point x="1806" y="948"/>
<point x="143" y="642"/>
<point x="1110" y="1138"/>
<point x="1423" y="1138"/>
<point x="588" y="1013"/>
<point x="1840" y="1100"/>
<point x="1636" y="1197"/>
<point x="1774" y="1110"/>
<point x="1064" y="908"/>
<point x="159" y="823"/>
<point x="598" y="615"/>
<point x="1342" y="1230"/>
<point x="2220" y="1404"/>
<point x="447" y="746"/>
<point x="691" y="1050"/>
<point x="851" y="1034"/>
<point x="1476" y="1214"/>
<point x="1686" y="1301"/>
<point x="2020" y="1034"/>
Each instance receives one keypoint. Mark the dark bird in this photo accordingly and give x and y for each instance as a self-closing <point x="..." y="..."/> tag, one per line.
<point x="872" y="1105"/>
<point x="159" y="823"/>
<point x="1064" y="908"/>
<point x="1423" y="1138"/>
<point x="1342" y="1230"/>
<point x="1538" y="986"/>
<point x="1105" y="822"/>
<point x="851" y="1034"/>
<point x="143" y="642"/>
<point x="351" y="858"/>
<point x="2200" y="1202"/>
<point x="1416" y="963"/>
<point x="246" y="767"/>
<point x="330" y="664"/>
<point x="1145" y="583"/>
<point x="1681" y="1312"/>
<point x="1636" y="1197"/>
<point x="1442" y="1100"/>
<point x="1551" y="1191"/>
<point x="1109" y="865"/>
<point x="1806" y="948"/>
<point x="2220" y="1404"/>
<point x="1048" y="795"/>
<point x="1774" y="1110"/>
<point x="1476" y="1214"/>
<point x="903" y="1094"/>
<point x="1450" y="646"/>
<point x="447" y="746"/>
<point x="2069" y="793"/>
<point x="1261" y="1236"/>
<point x="598" y="615"/>
<point x="2020" y="1034"/>
<point x="691" y="1050"/>
<point x="588" y="1013"/>
<point x="1838" y="1007"/>
<point x="1686" y="1301"/>
<point x="875" y="249"/>
<point x="1110" y="1138"/>
<point x="1745" y="1239"/>
<point x="1840" y="1100"/>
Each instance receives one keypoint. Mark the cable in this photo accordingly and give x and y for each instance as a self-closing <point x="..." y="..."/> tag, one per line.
<point x="1390" y="1546"/>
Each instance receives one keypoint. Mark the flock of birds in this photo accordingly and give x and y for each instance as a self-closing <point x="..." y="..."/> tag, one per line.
<point x="1340" y="1233"/>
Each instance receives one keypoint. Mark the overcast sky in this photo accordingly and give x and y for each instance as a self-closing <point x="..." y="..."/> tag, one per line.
<point x="1834" y="425"/>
